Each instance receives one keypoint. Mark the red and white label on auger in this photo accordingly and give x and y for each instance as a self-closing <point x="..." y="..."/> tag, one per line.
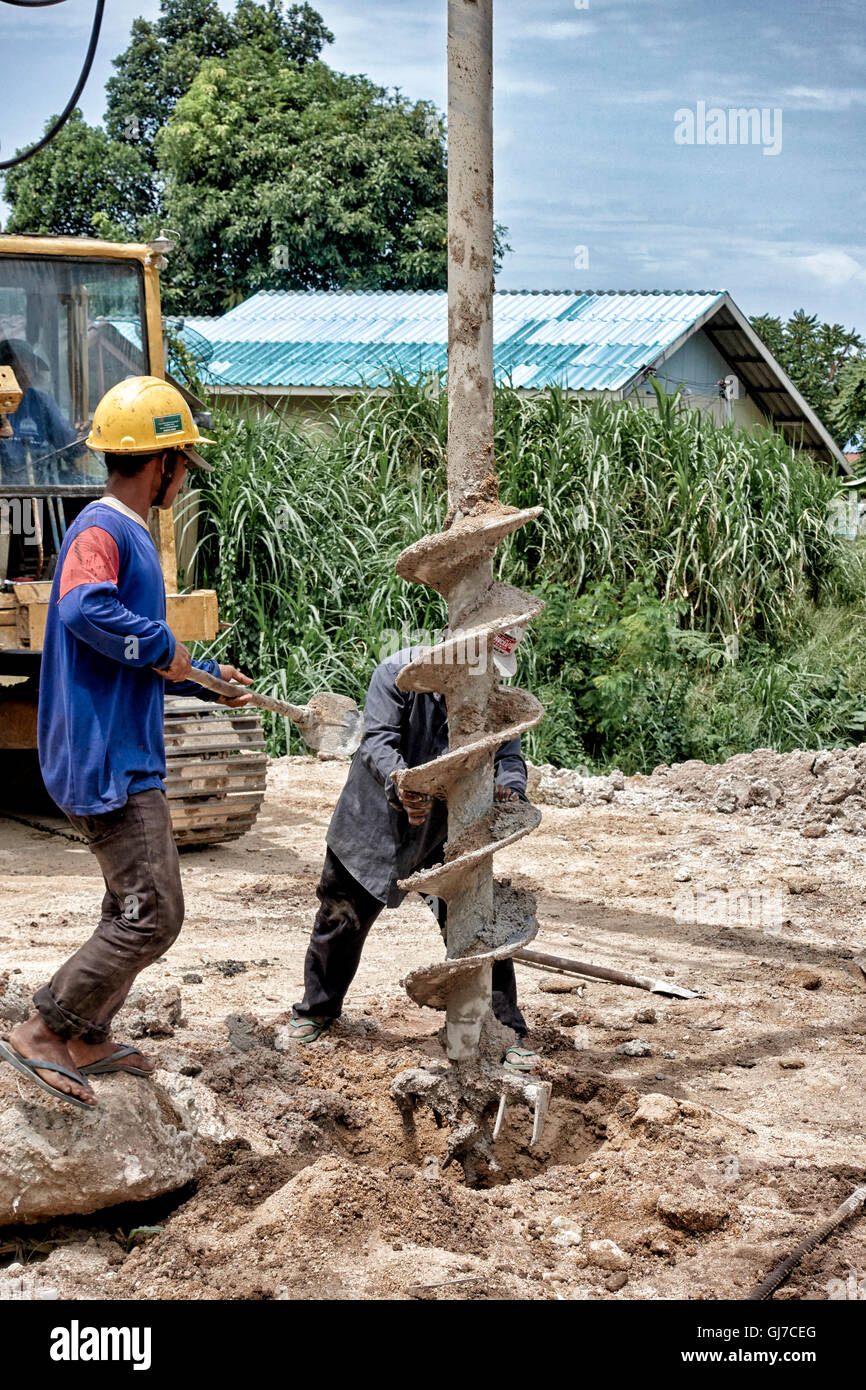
<point x="505" y="643"/>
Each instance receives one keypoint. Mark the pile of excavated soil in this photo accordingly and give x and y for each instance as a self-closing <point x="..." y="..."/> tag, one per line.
<point x="809" y="791"/>
<point x="690" y="1143"/>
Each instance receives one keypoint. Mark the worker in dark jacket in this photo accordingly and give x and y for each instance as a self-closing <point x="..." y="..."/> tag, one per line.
<point x="378" y="835"/>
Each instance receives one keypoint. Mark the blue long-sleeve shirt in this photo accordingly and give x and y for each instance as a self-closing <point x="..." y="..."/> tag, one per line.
<point x="370" y="832"/>
<point x="101" y="703"/>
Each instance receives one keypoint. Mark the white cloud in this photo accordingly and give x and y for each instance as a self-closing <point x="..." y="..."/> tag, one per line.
<point x="521" y="86"/>
<point x="825" y="98"/>
<point x="648" y="96"/>
<point x="833" y="267"/>
<point x="557" y="30"/>
<point x="76" y="17"/>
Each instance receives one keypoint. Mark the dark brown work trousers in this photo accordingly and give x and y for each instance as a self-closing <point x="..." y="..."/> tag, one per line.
<point x="142" y="914"/>
<point x="341" y="927"/>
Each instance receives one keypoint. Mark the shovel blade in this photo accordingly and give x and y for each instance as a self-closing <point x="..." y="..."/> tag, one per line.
<point x="333" y="726"/>
<point x="675" y="991"/>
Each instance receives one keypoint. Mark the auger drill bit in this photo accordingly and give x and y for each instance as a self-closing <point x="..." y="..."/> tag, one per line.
<point x="485" y="921"/>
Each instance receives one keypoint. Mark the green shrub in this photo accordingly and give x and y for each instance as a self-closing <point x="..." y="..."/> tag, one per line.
<point x="698" y="600"/>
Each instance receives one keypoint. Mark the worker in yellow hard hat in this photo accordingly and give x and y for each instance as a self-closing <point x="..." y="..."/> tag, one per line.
<point x="143" y="416"/>
<point x="107" y="657"/>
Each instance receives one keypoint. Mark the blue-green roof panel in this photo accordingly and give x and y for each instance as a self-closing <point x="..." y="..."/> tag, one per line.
<point x="590" y="341"/>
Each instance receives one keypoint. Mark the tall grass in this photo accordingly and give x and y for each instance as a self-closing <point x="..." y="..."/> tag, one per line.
<point x="665" y="539"/>
<point x="734" y="524"/>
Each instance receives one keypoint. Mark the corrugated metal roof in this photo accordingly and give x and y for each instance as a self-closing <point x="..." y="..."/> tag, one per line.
<point x="186" y="329"/>
<point x="592" y="340"/>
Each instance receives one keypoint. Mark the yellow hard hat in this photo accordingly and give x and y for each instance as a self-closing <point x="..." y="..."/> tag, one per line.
<point x="143" y="415"/>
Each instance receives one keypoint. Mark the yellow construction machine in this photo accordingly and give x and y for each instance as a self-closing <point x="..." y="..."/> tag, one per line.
<point x="77" y="316"/>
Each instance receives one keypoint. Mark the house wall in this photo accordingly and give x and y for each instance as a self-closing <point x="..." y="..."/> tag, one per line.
<point x="698" y="366"/>
<point x="311" y="409"/>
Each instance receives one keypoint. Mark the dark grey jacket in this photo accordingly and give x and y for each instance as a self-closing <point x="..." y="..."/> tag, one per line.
<point x="370" y="832"/>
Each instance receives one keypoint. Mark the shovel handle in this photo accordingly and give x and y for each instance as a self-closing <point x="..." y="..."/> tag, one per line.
<point x="230" y="689"/>
<point x="541" y="960"/>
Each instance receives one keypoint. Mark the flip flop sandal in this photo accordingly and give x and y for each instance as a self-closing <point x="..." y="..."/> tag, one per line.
<point x="521" y="1059"/>
<point x="316" y="1026"/>
<point x="28" y="1066"/>
<point x="107" y="1066"/>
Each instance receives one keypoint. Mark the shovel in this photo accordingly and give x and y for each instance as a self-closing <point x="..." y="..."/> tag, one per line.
<point x="330" y="724"/>
<point x="561" y="965"/>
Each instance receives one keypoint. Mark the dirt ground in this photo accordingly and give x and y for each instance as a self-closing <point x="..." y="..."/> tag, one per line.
<point x="686" y="1171"/>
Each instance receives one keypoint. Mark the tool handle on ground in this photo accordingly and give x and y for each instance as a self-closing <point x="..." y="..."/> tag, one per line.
<point x="540" y="960"/>
<point x="543" y="961"/>
<point x="597" y="972"/>
<point x="231" y="690"/>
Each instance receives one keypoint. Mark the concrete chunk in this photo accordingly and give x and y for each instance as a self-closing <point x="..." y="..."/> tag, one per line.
<point x="56" y="1161"/>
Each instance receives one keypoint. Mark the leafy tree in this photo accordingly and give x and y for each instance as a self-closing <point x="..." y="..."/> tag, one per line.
<point x="159" y="65"/>
<point x="164" y="55"/>
<point x="276" y="171"/>
<point x="288" y="178"/>
<point x="848" y="412"/>
<point x="300" y="35"/>
<point x="815" y="356"/>
<point x="83" y="184"/>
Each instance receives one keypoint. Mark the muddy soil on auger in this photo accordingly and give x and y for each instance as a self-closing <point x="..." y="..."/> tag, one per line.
<point x="690" y="1143"/>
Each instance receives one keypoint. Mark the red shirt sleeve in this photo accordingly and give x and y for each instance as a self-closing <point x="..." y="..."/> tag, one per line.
<point x="92" y="558"/>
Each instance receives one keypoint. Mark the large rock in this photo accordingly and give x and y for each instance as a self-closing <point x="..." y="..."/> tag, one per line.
<point x="554" y="786"/>
<point x="657" y="1109"/>
<point x="151" y="1013"/>
<point x="607" y="1255"/>
<point x="55" y="1161"/>
<point x="693" y="1209"/>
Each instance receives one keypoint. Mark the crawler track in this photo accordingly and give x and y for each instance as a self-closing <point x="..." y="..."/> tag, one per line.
<point x="215" y="770"/>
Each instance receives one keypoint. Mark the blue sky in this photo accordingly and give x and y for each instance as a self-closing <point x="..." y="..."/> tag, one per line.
<point x="586" y="97"/>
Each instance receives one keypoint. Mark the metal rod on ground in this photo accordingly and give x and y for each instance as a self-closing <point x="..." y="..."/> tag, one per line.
<point x="541" y="960"/>
<point x="849" y="1207"/>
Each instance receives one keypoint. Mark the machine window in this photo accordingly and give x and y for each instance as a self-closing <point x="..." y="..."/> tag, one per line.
<point x="69" y="329"/>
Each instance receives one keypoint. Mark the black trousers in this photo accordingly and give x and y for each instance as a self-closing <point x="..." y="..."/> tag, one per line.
<point x="142" y="914"/>
<point x="346" y="914"/>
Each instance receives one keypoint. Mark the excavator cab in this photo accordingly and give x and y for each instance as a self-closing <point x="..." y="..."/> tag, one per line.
<point x="70" y="328"/>
<point x="76" y="317"/>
